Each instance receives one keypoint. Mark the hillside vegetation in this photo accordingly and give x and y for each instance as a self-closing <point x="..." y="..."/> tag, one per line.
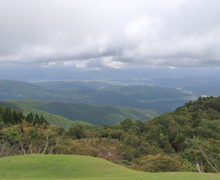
<point x="93" y="114"/>
<point x="80" y="167"/>
<point x="52" y="118"/>
<point x="184" y="140"/>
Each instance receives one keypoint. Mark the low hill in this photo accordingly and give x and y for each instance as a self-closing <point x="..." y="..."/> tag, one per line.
<point x="80" y="167"/>
<point x="93" y="114"/>
<point x="199" y="118"/>
<point x="53" y="119"/>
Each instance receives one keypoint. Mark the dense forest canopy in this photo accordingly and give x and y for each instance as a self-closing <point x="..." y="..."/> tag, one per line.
<point x="9" y="117"/>
<point x="89" y="113"/>
<point x="187" y="139"/>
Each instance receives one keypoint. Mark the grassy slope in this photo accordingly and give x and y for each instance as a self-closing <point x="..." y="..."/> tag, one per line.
<point x="53" y="119"/>
<point x="80" y="167"/>
<point x="93" y="114"/>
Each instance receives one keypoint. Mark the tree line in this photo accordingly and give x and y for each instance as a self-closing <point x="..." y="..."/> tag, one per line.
<point x="9" y="117"/>
<point x="187" y="139"/>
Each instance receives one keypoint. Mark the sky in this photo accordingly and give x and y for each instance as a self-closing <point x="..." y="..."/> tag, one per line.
<point x="101" y="34"/>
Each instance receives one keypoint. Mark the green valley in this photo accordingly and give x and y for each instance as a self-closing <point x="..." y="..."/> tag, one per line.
<point x="185" y="140"/>
<point x="93" y="114"/>
<point x="109" y="90"/>
<point x="52" y="118"/>
<point x="158" y="98"/>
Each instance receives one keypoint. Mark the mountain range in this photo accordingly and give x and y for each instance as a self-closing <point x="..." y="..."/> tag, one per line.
<point x="143" y="97"/>
<point x="92" y="114"/>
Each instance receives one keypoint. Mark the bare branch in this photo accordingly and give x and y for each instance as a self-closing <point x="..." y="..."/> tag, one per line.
<point x="206" y="158"/>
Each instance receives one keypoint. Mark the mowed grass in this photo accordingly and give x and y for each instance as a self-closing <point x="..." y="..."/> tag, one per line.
<point x="80" y="167"/>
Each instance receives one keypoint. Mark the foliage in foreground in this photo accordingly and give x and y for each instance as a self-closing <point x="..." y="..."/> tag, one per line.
<point x="187" y="139"/>
<point x="40" y="139"/>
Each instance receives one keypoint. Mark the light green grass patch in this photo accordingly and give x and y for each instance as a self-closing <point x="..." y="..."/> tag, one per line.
<point x="80" y="167"/>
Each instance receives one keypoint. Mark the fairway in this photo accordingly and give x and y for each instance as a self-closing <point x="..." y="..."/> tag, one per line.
<point x="80" y="167"/>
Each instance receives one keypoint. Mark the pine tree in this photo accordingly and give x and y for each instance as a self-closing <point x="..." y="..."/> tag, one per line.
<point x="30" y="118"/>
<point x="37" y="119"/>
<point x="20" y="116"/>
<point x="15" y="116"/>
<point x="1" y="114"/>
<point x="8" y="118"/>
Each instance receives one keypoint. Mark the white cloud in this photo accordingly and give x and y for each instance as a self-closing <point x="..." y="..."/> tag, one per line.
<point x="116" y="33"/>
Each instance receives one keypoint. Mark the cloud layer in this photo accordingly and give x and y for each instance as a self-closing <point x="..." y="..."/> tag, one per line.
<point x="111" y="33"/>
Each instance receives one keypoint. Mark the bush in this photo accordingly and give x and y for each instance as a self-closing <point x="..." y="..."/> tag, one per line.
<point x="160" y="163"/>
<point x="126" y="162"/>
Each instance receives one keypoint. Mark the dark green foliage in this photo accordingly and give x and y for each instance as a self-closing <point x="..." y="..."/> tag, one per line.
<point x="163" y="120"/>
<point x="30" y="118"/>
<point x="16" y="119"/>
<point x="53" y="119"/>
<point x="167" y="133"/>
<point x="93" y="114"/>
<point x="126" y="124"/>
<point x="38" y="120"/>
<point x="140" y="124"/>
<point x="9" y="117"/>
<point x="76" y="132"/>
<point x="134" y="130"/>
<point x="116" y="134"/>
<point x="105" y="126"/>
<point x="193" y="118"/>
<point x="170" y="142"/>
<point x="20" y="116"/>
<point x="61" y="131"/>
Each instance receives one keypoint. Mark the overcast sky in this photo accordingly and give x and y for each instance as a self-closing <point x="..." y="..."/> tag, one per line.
<point x="110" y="33"/>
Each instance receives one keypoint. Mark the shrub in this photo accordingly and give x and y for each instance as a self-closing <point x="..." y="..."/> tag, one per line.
<point x="160" y="163"/>
<point x="126" y="162"/>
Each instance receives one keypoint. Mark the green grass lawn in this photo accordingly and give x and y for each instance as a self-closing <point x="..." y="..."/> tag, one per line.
<point x="80" y="167"/>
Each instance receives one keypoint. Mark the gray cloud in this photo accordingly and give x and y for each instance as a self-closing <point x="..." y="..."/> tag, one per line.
<point x="97" y="34"/>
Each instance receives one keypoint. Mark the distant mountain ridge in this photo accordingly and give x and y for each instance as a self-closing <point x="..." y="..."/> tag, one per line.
<point x="133" y="96"/>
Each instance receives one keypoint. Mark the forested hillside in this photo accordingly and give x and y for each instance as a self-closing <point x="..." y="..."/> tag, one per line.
<point x="52" y="118"/>
<point x="93" y="114"/>
<point x="187" y="139"/>
<point x="9" y="117"/>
